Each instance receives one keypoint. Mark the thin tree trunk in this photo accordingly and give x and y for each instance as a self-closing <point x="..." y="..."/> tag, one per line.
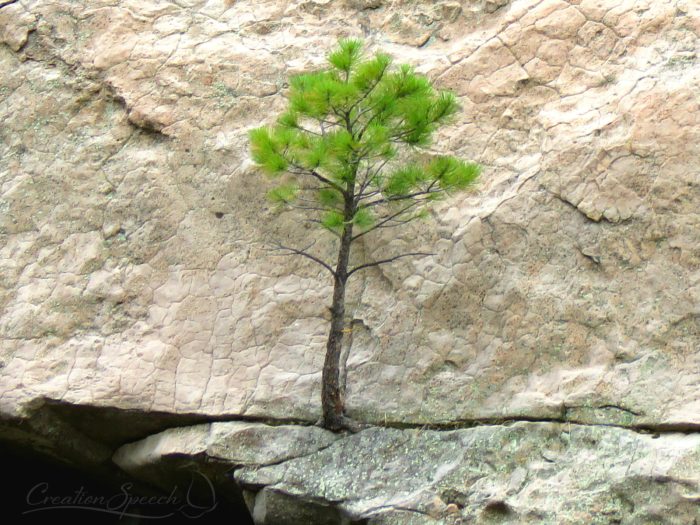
<point x="332" y="395"/>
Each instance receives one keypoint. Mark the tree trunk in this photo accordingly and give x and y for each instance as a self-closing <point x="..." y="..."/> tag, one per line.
<point x="332" y="395"/>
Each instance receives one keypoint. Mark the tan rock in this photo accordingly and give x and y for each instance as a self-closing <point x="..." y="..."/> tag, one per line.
<point x="15" y="25"/>
<point x="132" y="223"/>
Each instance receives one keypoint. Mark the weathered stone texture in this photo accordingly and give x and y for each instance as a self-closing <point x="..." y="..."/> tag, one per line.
<point x="528" y="473"/>
<point x="525" y="473"/>
<point x="133" y="269"/>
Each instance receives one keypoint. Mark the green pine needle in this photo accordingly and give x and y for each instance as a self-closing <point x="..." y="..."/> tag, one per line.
<point x="347" y="126"/>
<point x="347" y="55"/>
<point x="363" y="218"/>
<point x="283" y="194"/>
<point x="333" y="220"/>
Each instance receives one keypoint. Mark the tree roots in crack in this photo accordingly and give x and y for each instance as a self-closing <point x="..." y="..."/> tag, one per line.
<point x="346" y="424"/>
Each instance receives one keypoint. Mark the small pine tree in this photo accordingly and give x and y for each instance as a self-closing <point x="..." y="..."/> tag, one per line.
<point x="347" y="152"/>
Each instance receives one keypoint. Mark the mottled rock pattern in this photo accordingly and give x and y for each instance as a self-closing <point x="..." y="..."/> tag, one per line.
<point x="525" y="473"/>
<point x="528" y="473"/>
<point x="237" y="443"/>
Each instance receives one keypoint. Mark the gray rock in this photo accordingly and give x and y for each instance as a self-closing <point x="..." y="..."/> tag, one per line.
<point x="236" y="442"/>
<point x="524" y="473"/>
<point x="200" y="459"/>
<point x="527" y="473"/>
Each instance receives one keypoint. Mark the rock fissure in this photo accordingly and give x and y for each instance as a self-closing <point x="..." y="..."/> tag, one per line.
<point x="641" y="428"/>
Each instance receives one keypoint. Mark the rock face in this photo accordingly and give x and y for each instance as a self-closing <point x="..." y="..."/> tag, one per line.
<point x="525" y="473"/>
<point x="134" y="275"/>
<point x="212" y="450"/>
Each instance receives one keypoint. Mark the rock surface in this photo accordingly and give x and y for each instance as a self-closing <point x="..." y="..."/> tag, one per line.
<point x="174" y="457"/>
<point x="237" y="443"/>
<point x="525" y="473"/>
<point x="134" y="274"/>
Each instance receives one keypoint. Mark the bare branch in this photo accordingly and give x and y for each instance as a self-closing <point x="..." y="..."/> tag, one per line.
<point x="322" y="123"/>
<point x="386" y="220"/>
<point x="385" y="261"/>
<point x="329" y="122"/>
<point x="368" y="195"/>
<point x="371" y="173"/>
<point x="398" y="222"/>
<point x="304" y="208"/>
<point x="304" y="253"/>
<point x="301" y="170"/>
<point x="318" y="222"/>
<point x="386" y="200"/>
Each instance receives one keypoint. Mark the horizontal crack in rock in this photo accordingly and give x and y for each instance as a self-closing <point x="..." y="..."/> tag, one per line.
<point x="642" y="428"/>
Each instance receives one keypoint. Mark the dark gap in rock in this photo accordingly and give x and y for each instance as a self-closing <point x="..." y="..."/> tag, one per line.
<point x="40" y="490"/>
<point x="497" y="507"/>
<point x="114" y="426"/>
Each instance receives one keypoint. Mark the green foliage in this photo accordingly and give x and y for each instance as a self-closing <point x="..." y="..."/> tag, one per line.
<point x="345" y="128"/>
<point x="268" y="151"/>
<point x="453" y="174"/>
<point x="333" y="220"/>
<point x="283" y="194"/>
<point x="405" y="180"/>
<point x="330" y="198"/>
<point x="289" y="120"/>
<point x="367" y="74"/>
<point x="363" y="218"/>
<point x="346" y="56"/>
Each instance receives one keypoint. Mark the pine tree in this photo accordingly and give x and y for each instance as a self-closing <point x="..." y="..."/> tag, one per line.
<point x="350" y="152"/>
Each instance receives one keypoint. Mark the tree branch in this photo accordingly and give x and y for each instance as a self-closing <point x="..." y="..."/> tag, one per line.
<point x="301" y="170"/>
<point x="385" y="220"/>
<point x="387" y="200"/>
<point x="369" y="121"/>
<point x="371" y="173"/>
<point x="304" y="253"/>
<point x="322" y="134"/>
<point x="304" y="207"/>
<point x="319" y="223"/>
<point x="398" y="222"/>
<point x="368" y="195"/>
<point x="370" y="108"/>
<point x="385" y="261"/>
<point x="364" y="97"/>
<point x="398" y="137"/>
